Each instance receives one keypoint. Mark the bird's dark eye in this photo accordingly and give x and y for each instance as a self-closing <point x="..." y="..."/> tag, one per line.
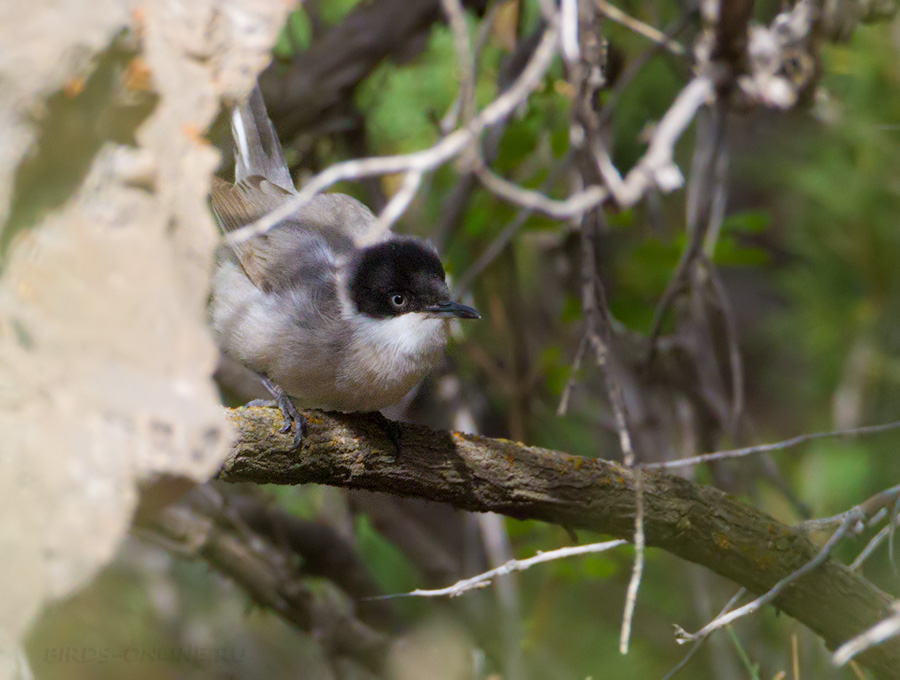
<point x="398" y="301"/>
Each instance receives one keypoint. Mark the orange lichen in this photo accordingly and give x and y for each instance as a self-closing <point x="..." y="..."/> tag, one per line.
<point x="138" y="76"/>
<point x="764" y="562"/>
<point x="722" y="541"/>
<point x="194" y="133"/>
<point x="74" y="86"/>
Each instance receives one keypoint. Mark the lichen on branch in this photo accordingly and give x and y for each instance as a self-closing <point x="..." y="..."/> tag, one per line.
<point x="697" y="523"/>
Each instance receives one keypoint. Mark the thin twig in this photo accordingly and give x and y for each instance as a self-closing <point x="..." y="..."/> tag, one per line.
<point x="873" y="509"/>
<point x="637" y="66"/>
<point x="456" y="17"/>
<point x="426" y="159"/>
<point x="573" y="373"/>
<point x="535" y="201"/>
<point x="700" y="215"/>
<point x="683" y="636"/>
<point x="599" y="337"/>
<point x="871" y="546"/>
<point x="395" y="208"/>
<point x="777" y="446"/>
<point x="886" y="533"/>
<point x="452" y="117"/>
<point x="511" y="229"/>
<point x="656" y="167"/>
<point x="568" y="12"/>
<point x="735" y="359"/>
<point x="875" y="635"/>
<point x="651" y="33"/>
<point x="483" y="580"/>
<point x="696" y="648"/>
<point x="895" y="516"/>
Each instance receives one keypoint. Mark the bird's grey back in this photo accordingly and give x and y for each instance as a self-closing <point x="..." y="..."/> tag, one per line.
<point x="277" y="305"/>
<point x="279" y="302"/>
<point x="325" y="228"/>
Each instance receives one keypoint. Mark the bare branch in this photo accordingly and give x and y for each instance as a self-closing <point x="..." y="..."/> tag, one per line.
<point x="700" y="524"/>
<point x="751" y="607"/>
<point x="653" y="34"/>
<point x="535" y="201"/>
<point x="568" y="12"/>
<point x="483" y="580"/>
<point x="696" y="648"/>
<point x="321" y="79"/>
<point x="872" y="545"/>
<point x="267" y="577"/>
<point x="419" y="161"/>
<point x="396" y="207"/>
<point x="876" y="635"/>
<point x="657" y="167"/>
<point x="512" y="228"/>
<point x="777" y="446"/>
<point x="465" y="104"/>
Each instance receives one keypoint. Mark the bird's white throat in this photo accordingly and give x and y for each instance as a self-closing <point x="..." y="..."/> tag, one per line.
<point x="407" y="335"/>
<point x="399" y="349"/>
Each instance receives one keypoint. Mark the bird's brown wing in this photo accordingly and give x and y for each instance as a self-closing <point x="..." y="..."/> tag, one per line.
<point x="240" y="204"/>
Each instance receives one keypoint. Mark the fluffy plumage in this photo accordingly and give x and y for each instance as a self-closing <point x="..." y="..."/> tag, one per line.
<point x="334" y="325"/>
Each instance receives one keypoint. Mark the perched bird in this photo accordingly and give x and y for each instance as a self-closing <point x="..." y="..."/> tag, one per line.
<point x="326" y="321"/>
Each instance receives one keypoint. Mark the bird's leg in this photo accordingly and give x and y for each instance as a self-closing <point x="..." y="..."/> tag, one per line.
<point x="292" y="417"/>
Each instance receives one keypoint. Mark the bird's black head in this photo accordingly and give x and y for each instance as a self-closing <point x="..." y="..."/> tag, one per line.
<point x="399" y="276"/>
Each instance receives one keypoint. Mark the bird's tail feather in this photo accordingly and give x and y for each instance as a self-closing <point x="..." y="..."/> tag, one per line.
<point x="257" y="150"/>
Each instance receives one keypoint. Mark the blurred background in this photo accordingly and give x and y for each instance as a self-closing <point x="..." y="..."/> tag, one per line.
<point x="806" y="283"/>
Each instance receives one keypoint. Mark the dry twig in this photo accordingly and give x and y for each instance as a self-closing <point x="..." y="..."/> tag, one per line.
<point x="776" y="446"/>
<point x="751" y="607"/>
<point x="484" y="579"/>
<point x="697" y="523"/>
<point x="876" y="635"/>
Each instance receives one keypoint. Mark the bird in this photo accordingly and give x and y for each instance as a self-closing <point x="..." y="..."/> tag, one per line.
<point x="327" y="319"/>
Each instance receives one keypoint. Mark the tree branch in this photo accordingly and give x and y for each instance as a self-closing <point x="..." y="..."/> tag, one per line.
<point x="697" y="523"/>
<point x="269" y="579"/>
<point x="322" y="78"/>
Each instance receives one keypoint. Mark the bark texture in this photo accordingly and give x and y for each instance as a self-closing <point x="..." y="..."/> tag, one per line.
<point x="696" y="523"/>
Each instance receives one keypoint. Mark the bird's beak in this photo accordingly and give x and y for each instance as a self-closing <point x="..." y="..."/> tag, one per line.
<point x="453" y="309"/>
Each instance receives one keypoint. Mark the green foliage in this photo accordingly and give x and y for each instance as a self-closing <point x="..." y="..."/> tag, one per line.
<point x="831" y="475"/>
<point x="432" y="81"/>
<point x="296" y="34"/>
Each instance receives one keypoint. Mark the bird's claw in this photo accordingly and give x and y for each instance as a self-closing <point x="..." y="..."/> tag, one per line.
<point x="293" y="419"/>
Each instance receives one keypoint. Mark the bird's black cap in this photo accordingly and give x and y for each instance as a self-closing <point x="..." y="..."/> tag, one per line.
<point x="402" y="275"/>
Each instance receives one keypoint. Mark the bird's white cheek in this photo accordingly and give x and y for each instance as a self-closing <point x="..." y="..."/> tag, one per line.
<point x="407" y="335"/>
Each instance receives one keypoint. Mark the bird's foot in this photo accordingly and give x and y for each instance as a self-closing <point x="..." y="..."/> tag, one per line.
<point x="293" y="419"/>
